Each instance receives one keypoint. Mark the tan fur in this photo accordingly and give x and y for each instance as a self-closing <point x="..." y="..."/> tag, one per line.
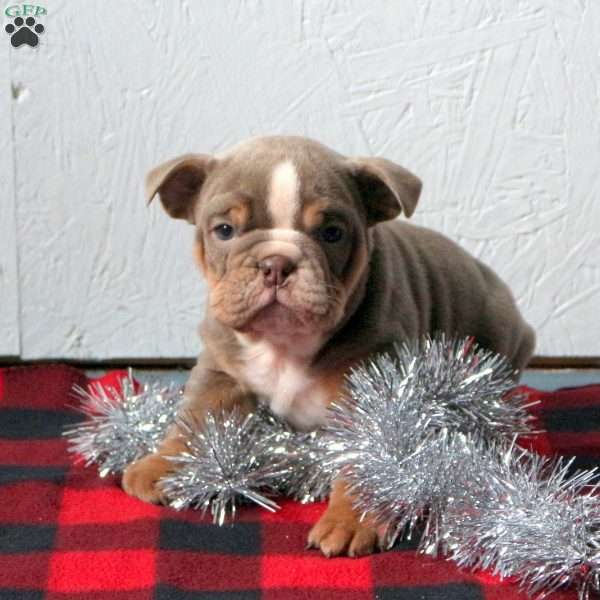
<point x="240" y="214"/>
<point x="341" y="531"/>
<point x="342" y="302"/>
<point x="312" y="213"/>
<point x="200" y="259"/>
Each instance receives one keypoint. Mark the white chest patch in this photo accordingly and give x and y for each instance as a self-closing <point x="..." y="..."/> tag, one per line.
<point x="285" y="386"/>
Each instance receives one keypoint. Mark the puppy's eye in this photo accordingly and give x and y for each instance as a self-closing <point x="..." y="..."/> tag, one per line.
<point x="331" y="234"/>
<point x="224" y="231"/>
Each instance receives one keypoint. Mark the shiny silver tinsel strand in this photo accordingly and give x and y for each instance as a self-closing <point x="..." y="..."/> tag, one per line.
<point x="422" y="440"/>
<point x="392" y="432"/>
<point x="234" y="457"/>
<point x="122" y="424"/>
<point x="522" y="515"/>
<point x="229" y="458"/>
<point x="303" y="453"/>
<point x="308" y="479"/>
<point x="464" y="387"/>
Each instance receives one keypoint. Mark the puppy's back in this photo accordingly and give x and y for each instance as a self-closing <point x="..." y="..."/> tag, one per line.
<point x="450" y="290"/>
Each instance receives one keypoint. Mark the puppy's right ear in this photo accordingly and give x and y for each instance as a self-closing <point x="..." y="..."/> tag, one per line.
<point x="178" y="183"/>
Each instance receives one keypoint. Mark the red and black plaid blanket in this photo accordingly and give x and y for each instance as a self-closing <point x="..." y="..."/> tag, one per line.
<point x="67" y="534"/>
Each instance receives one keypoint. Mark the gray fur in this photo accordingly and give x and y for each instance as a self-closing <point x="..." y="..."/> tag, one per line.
<point x="420" y="282"/>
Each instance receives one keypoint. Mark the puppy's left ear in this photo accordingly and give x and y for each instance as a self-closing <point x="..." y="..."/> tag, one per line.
<point x="178" y="183"/>
<point x="387" y="189"/>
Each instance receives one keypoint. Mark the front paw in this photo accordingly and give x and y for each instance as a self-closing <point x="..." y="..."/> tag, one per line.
<point x="337" y="535"/>
<point x="140" y="479"/>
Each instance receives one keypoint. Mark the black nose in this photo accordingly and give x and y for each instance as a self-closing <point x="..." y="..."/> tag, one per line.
<point x="276" y="269"/>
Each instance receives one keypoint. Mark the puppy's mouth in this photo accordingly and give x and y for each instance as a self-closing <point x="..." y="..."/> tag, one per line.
<point x="275" y="317"/>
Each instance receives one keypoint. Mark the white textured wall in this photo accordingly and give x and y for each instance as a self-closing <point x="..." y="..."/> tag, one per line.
<point x="494" y="104"/>
<point x="9" y="287"/>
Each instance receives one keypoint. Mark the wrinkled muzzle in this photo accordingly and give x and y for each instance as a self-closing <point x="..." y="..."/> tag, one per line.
<point x="277" y="282"/>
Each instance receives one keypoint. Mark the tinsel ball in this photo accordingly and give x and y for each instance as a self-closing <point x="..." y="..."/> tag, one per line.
<point x="122" y="423"/>
<point x="232" y="458"/>
<point x="229" y="458"/>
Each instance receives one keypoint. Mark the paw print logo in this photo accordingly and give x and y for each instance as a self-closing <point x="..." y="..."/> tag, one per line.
<point x="24" y="32"/>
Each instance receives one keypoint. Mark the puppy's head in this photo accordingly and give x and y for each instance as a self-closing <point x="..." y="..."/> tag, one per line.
<point x="282" y="228"/>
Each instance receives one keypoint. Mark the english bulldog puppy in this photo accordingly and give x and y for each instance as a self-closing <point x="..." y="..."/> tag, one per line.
<point x="308" y="274"/>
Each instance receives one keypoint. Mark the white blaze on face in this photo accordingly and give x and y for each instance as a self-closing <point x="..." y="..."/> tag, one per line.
<point x="284" y="195"/>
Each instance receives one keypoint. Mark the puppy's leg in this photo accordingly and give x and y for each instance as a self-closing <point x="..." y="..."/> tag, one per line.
<point x="140" y="478"/>
<point x="217" y="391"/>
<point x="340" y="530"/>
<point x="501" y="328"/>
<point x="524" y="348"/>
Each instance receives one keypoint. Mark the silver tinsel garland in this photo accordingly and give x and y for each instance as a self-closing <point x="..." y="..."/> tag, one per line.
<point x="232" y="458"/>
<point x="426" y="446"/>
<point x="425" y="439"/>
<point x="391" y="433"/>
<point x="229" y="458"/>
<point x="122" y="424"/>
<point x="522" y="515"/>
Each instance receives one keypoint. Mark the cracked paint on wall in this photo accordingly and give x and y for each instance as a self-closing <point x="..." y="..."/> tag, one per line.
<point x="495" y="105"/>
